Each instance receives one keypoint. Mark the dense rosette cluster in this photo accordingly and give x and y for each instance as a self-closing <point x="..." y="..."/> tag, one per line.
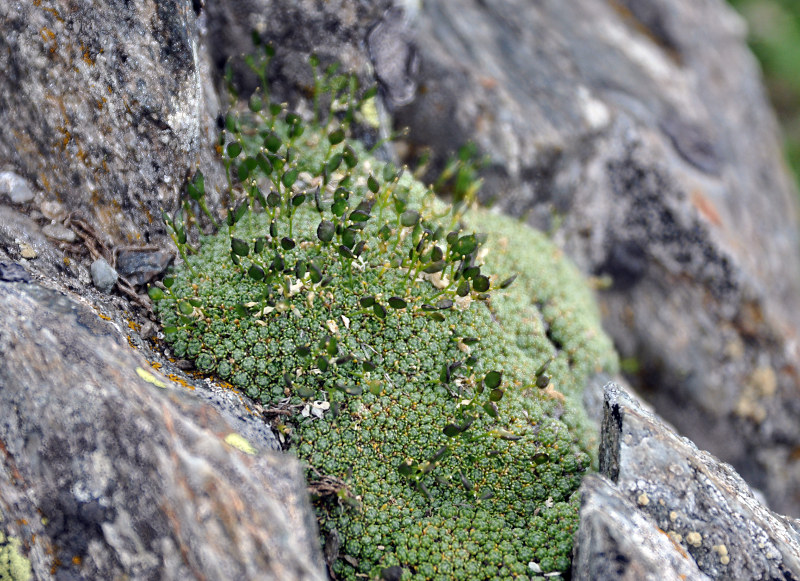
<point x="435" y="405"/>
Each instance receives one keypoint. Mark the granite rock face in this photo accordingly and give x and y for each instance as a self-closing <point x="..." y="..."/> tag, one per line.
<point x="665" y="509"/>
<point x="110" y="470"/>
<point x="639" y="135"/>
<point x="107" y="107"/>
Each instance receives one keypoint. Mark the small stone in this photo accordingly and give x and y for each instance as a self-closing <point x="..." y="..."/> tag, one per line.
<point x="27" y="251"/>
<point x="643" y="499"/>
<point x="103" y="276"/>
<point x="59" y="232"/>
<point x="15" y="187"/>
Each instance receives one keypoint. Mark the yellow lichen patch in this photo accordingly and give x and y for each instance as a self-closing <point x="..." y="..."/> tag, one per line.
<point x="240" y="443"/>
<point x="150" y="378"/>
<point x="180" y="380"/>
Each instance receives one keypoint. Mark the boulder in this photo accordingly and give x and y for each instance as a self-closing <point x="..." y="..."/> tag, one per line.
<point x="663" y="509"/>
<point x="638" y="134"/>
<point x="108" y="108"/>
<point x="109" y="469"/>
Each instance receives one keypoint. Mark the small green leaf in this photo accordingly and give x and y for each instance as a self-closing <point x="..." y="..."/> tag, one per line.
<point x="493" y="379"/>
<point x="507" y="282"/>
<point x="305" y="392"/>
<point x="240" y="211"/>
<point x="481" y="283"/>
<point x="469" y="340"/>
<point x="407" y="467"/>
<point x="437" y="266"/>
<point x="256" y="272"/>
<point x="336" y="137"/>
<point x="273" y="199"/>
<point x="438" y="317"/>
<point x="409" y="218"/>
<point x="287" y="243"/>
<point x="444" y="304"/>
<point x="542" y="381"/>
<point x="155" y="293"/>
<point x="464" y="481"/>
<point x="359" y="216"/>
<point x="273" y="229"/>
<point x="261" y="242"/>
<point x="472" y="271"/>
<point x="256" y="104"/>
<point x="272" y="142"/>
<point x="466" y="244"/>
<point x="290" y="177"/>
<point x="366" y="302"/>
<point x="234" y="149"/>
<point x="354" y="390"/>
<point x="264" y="164"/>
<point x="345" y="252"/>
<point x="349" y="237"/>
<point x="463" y="288"/>
<point x="397" y="303"/>
<point x="322" y="363"/>
<point x="389" y="172"/>
<point x="451" y="430"/>
<point x="168" y="282"/>
<point x="373" y="184"/>
<point x="333" y="163"/>
<point x="540" y="458"/>
<point x="496" y="395"/>
<point x="350" y="157"/>
<point x="325" y="231"/>
<point x="185" y="307"/>
<point x="491" y="408"/>
<point x="239" y="247"/>
<point x="298" y="199"/>
<point x="379" y="310"/>
<point x="339" y="207"/>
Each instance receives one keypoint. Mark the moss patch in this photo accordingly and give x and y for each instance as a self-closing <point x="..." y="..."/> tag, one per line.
<point x="377" y="323"/>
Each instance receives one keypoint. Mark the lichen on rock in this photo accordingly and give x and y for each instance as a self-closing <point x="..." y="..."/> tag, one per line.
<point x="434" y="402"/>
<point x="13" y="564"/>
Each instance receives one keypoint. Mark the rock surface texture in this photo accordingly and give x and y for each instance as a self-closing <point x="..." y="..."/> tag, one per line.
<point x="664" y="509"/>
<point x="107" y="108"/>
<point x="639" y="135"/>
<point x="108" y="469"/>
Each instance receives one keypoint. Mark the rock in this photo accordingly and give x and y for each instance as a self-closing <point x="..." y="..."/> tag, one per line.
<point x="104" y="277"/>
<point x="13" y="272"/>
<point x="110" y="470"/>
<point x="142" y="265"/>
<point x="665" y="488"/>
<point x="615" y="127"/>
<point x="59" y="232"/>
<point x="15" y="187"/>
<point x="109" y="108"/>
<point x="617" y="541"/>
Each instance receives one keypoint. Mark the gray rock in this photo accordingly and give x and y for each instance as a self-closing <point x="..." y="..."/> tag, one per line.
<point x="110" y="107"/>
<point x="110" y="470"/>
<point x="615" y="127"/>
<point x="701" y="505"/>
<point x="104" y="277"/>
<point x="142" y="265"/>
<point x="15" y="187"/>
<point x="59" y="232"/>
<point x="616" y="540"/>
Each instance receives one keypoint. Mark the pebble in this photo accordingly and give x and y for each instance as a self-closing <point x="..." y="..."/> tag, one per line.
<point x="59" y="232"/>
<point x="103" y="276"/>
<point x="15" y="187"/>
